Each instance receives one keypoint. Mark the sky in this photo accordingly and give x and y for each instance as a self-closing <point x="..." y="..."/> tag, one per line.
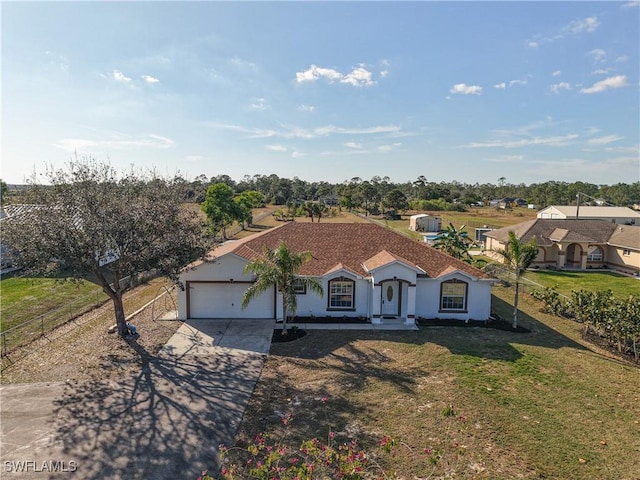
<point x="452" y="91"/>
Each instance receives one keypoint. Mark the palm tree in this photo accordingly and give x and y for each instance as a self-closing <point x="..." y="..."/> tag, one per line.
<point x="279" y="267"/>
<point x="517" y="256"/>
<point x="455" y="242"/>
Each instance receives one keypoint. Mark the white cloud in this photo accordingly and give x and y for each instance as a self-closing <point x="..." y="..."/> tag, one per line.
<point x="612" y="82"/>
<point x="353" y="145"/>
<point x="307" y="134"/>
<point x="463" y="88"/>
<point x="621" y="58"/>
<point x="122" y="141"/>
<point x="632" y="4"/>
<point x="118" y="76"/>
<point x="150" y="79"/>
<point x="555" y="141"/>
<point x="588" y="24"/>
<point x="306" y="108"/>
<point x="501" y="86"/>
<point x="389" y="147"/>
<point x="556" y="87"/>
<point x="573" y="28"/>
<point x="601" y="71"/>
<point x="597" y="55"/>
<point x="605" y="140"/>
<point x="259" y="104"/>
<point x="358" y="77"/>
<point x="314" y="73"/>
<point x="276" y="148"/>
<point x="517" y="82"/>
<point x="242" y="64"/>
<point x="556" y="73"/>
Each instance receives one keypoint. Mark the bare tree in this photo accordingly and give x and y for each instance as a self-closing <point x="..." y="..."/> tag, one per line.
<point x="90" y="222"/>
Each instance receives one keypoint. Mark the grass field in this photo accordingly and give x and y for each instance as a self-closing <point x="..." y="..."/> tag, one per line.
<point x="566" y="281"/>
<point x="537" y="405"/>
<point x="24" y="299"/>
<point x="51" y="303"/>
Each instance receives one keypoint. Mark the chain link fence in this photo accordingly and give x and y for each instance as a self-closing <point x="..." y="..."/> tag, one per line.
<point x="26" y="332"/>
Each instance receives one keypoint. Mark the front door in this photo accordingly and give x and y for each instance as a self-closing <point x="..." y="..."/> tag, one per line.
<point x="391" y="299"/>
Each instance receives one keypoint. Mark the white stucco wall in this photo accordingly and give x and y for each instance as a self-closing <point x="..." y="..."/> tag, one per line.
<point x="312" y="304"/>
<point x="222" y="269"/>
<point x="478" y="299"/>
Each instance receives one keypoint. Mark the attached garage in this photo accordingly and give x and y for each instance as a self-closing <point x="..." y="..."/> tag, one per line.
<point x="224" y="300"/>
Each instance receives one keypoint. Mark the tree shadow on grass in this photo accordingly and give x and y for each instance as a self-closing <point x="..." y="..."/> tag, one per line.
<point x="164" y="421"/>
<point x="497" y="344"/>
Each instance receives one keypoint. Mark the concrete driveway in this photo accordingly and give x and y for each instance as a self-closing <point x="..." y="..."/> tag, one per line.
<point x="205" y="337"/>
<point x="164" y="422"/>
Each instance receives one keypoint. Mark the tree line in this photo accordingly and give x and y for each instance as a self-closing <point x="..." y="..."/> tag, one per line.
<point x="420" y="194"/>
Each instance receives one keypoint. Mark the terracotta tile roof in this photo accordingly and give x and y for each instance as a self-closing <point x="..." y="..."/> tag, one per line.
<point x="350" y="246"/>
<point x="546" y="231"/>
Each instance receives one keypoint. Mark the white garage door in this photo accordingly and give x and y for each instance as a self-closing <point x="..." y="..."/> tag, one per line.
<point x="224" y="300"/>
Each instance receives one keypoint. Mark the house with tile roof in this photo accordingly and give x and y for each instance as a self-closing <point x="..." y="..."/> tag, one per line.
<point x="367" y="271"/>
<point x="576" y="244"/>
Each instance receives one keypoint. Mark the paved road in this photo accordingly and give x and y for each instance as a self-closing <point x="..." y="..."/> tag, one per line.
<point x="164" y="422"/>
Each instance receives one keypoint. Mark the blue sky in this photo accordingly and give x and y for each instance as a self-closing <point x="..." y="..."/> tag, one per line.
<point x="466" y="91"/>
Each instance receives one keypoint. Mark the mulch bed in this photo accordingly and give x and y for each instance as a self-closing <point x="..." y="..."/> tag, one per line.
<point x="331" y="320"/>
<point x="290" y="335"/>
<point x="495" y="323"/>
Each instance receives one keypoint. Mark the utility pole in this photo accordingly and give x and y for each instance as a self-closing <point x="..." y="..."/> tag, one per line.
<point x="577" y="205"/>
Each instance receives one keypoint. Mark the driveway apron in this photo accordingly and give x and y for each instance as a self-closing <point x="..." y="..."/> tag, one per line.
<point x="165" y="421"/>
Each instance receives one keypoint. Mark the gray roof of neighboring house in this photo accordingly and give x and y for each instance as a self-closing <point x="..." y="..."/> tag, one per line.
<point x="548" y="231"/>
<point x="593" y="212"/>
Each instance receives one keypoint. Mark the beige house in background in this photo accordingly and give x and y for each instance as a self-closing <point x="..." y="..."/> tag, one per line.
<point x="622" y="215"/>
<point x="576" y="244"/>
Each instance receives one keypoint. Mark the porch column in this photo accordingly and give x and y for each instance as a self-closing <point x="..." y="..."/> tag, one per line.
<point x="583" y="258"/>
<point x="410" y="318"/>
<point x="376" y="301"/>
<point x="562" y="256"/>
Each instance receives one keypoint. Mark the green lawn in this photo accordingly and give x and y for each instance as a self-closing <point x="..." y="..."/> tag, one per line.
<point x="566" y="281"/>
<point x="26" y="298"/>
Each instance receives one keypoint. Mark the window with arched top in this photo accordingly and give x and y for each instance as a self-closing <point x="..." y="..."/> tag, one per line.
<point x="342" y="294"/>
<point x="453" y="295"/>
<point x="595" y="254"/>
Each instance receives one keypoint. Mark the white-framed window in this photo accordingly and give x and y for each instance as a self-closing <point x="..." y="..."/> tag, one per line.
<point x="594" y="254"/>
<point x="453" y="295"/>
<point x="341" y="294"/>
<point x="299" y="287"/>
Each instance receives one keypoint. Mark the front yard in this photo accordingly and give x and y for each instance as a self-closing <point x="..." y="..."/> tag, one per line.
<point x="539" y="405"/>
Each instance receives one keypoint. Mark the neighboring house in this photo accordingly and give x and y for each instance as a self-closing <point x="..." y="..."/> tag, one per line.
<point x="7" y="254"/>
<point x="622" y="215"/>
<point x="425" y="223"/>
<point x="366" y="270"/>
<point x="576" y="244"/>
<point x="508" y="202"/>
